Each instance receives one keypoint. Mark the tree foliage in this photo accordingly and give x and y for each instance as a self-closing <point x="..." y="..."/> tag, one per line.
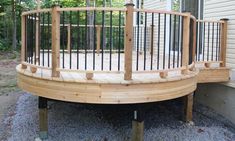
<point x="10" y="15"/>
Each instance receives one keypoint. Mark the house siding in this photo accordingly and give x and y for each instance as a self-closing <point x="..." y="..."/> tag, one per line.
<point x="218" y="9"/>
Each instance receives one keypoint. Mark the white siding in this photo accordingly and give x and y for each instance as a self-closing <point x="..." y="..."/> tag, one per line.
<point x="217" y="9"/>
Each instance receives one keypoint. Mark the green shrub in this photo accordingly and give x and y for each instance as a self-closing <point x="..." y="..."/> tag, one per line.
<point x="3" y="46"/>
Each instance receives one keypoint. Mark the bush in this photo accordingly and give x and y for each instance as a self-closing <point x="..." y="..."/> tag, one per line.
<point x="3" y="46"/>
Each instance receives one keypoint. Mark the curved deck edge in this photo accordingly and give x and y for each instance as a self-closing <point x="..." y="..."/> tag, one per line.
<point x="107" y="93"/>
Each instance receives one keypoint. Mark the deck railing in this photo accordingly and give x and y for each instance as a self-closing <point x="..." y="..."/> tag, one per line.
<point x="211" y="42"/>
<point x="101" y="40"/>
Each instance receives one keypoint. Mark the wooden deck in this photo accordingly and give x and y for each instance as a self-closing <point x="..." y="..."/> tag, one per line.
<point x="107" y="88"/>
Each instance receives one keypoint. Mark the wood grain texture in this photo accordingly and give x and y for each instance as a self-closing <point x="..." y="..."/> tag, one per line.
<point x="207" y="75"/>
<point x="105" y="93"/>
<point x="55" y="41"/>
<point x="128" y="42"/>
<point x="186" y="34"/>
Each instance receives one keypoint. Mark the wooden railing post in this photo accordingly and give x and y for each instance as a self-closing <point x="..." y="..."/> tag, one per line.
<point x="37" y="34"/>
<point x="128" y="41"/>
<point x="223" y="42"/>
<point x="23" y="41"/>
<point x="194" y="40"/>
<point x="55" y="41"/>
<point x="98" y="31"/>
<point x="186" y="34"/>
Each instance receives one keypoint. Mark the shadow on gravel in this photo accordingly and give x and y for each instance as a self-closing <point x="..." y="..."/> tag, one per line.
<point x="70" y="122"/>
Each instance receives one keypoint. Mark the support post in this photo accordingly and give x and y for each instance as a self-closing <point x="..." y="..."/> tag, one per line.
<point x="186" y="34"/>
<point x="98" y="31"/>
<point x="55" y="41"/>
<point x="23" y="41"/>
<point x="43" y="118"/>
<point x="138" y="126"/>
<point x="224" y="29"/>
<point x="188" y="108"/>
<point x="128" y="41"/>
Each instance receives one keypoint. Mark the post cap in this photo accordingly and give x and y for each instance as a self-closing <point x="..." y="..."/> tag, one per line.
<point x="129" y="3"/>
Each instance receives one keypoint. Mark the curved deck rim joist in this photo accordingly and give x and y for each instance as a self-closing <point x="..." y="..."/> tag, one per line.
<point x="128" y="92"/>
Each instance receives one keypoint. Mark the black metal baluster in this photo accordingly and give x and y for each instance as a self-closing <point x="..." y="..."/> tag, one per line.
<point x="43" y="38"/>
<point x="86" y="40"/>
<point x="152" y="40"/>
<point x="181" y="50"/>
<point x="169" y="52"/>
<point x="63" y="37"/>
<point x="32" y="38"/>
<point x="138" y="38"/>
<point x="119" y="39"/>
<point x="27" y="37"/>
<point x="219" y="41"/>
<point x="158" y="47"/>
<point x="217" y="31"/>
<point x="48" y="37"/>
<point x="102" y="41"/>
<point x="200" y="40"/>
<point x="145" y="39"/>
<point x="39" y="38"/>
<point x="208" y="39"/>
<point x="94" y="40"/>
<point x="204" y="43"/>
<point x="178" y="49"/>
<point x="111" y="40"/>
<point x="212" y="54"/>
<point x="197" y="47"/>
<point x="78" y="34"/>
<point x="164" y="42"/>
<point x="70" y="48"/>
<point x="26" y="40"/>
<point x="174" y="36"/>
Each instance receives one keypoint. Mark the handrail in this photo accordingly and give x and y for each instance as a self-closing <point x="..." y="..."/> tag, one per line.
<point x="36" y="11"/>
<point x="160" y="11"/>
<point x="92" y="9"/>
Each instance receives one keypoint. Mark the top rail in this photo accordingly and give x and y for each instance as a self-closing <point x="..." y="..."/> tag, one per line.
<point x="92" y="9"/>
<point x="36" y="11"/>
<point x="160" y="12"/>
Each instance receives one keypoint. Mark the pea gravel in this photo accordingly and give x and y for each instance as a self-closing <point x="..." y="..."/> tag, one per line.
<point x="79" y="122"/>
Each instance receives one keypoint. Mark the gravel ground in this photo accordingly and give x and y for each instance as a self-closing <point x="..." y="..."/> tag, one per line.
<point x="73" y="122"/>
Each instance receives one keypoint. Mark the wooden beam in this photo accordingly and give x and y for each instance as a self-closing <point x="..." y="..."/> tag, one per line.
<point x="186" y="34"/>
<point x="224" y="30"/>
<point x="188" y="107"/>
<point x="128" y="41"/>
<point x="55" y="41"/>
